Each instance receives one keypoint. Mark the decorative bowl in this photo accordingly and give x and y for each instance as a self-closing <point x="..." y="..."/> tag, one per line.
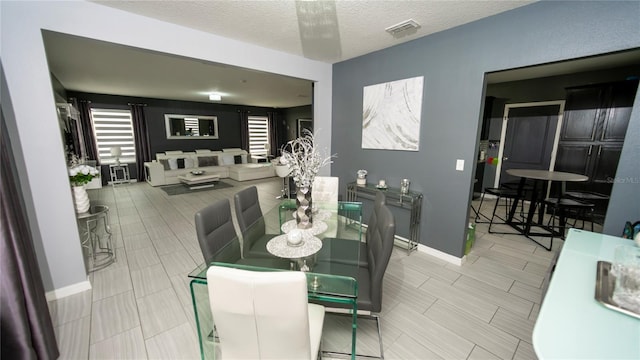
<point x="197" y="172"/>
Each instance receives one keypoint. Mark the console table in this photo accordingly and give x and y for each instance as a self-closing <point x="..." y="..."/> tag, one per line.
<point x="119" y="174"/>
<point x="411" y="201"/>
<point x="97" y="242"/>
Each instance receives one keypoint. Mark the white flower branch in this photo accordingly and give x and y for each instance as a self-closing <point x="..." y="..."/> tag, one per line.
<point x="304" y="159"/>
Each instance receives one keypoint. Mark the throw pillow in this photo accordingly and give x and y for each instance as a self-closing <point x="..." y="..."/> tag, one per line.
<point x="244" y="158"/>
<point x="237" y="159"/>
<point x="227" y="160"/>
<point x="165" y="163"/>
<point x="189" y="163"/>
<point x="180" y="163"/>
<point x="173" y="164"/>
<point x="207" y="161"/>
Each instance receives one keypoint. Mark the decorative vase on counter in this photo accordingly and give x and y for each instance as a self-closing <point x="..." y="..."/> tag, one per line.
<point x="81" y="199"/>
<point x="362" y="177"/>
<point x="304" y="216"/>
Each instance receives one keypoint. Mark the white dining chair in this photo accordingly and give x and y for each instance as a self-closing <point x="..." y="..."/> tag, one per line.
<point x="264" y="315"/>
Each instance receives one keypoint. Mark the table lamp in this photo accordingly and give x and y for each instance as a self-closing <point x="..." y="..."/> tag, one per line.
<point x="116" y="152"/>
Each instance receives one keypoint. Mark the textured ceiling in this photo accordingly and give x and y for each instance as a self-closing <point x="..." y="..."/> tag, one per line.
<point x="329" y="31"/>
<point x="352" y="27"/>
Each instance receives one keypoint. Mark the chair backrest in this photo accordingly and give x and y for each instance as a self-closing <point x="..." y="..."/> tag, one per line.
<point x="325" y="190"/>
<point x="373" y="219"/>
<point x="247" y="207"/>
<point x="379" y="247"/>
<point x="215" y="230"/>
<point x="260" y="315"/>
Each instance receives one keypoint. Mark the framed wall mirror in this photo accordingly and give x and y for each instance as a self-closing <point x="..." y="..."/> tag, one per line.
<point x="191" y="126"/>
<point x="304" y="124"/>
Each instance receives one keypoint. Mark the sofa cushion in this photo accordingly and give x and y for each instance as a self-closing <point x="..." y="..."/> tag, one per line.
<point x="165" y="163"/>
<point x="227" y="160"/>
<point x="173" y="163"/>
<point x="203" y="151"/>
<point x="207" y="161"/>
<point x="180" y="163"/>
<point x="189" y="163"/>
<point x="173" y="152"/>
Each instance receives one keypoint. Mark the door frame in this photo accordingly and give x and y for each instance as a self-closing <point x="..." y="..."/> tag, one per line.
<point x="503" y="133"/>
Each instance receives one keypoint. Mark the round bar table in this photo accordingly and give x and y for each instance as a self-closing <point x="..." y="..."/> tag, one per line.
<point x="538" y="176"/>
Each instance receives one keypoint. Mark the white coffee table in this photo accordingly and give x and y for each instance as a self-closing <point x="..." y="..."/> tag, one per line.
<point x="199" y="181"/>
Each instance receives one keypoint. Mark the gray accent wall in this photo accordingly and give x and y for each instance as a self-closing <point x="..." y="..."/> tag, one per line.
<point x="453" y="64"/>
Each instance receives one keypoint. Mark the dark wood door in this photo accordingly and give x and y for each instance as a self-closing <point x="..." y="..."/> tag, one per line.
<point x="529" y="139"/>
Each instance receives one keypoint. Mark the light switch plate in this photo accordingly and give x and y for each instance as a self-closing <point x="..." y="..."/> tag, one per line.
<point x="460" y="165"/>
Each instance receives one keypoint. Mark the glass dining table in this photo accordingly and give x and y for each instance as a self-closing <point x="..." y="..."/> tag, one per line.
<point x="329" y="255"/>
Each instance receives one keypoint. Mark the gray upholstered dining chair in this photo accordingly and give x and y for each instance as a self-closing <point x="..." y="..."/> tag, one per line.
<point x="338" y="250"/>
<point x="379" y="246"/>
<point x="219" y="242"/>
<point x="251" y="223"/>
<point x="264" y="315"/>
<point x="215" y="231"/>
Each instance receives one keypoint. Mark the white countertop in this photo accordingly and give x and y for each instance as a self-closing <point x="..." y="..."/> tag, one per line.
<point x="571" y="323"/>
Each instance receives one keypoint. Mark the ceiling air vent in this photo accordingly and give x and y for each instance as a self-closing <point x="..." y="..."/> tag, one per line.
<point x="402" y="27"/>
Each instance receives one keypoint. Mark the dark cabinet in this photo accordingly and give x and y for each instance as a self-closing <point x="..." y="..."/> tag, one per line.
<point x="573" y="158"/>
<point x="582" y="114"/>
<point x="594" y="127"/>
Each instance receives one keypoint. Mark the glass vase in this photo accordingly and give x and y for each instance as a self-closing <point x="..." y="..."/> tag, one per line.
<point x="304" y="215"/>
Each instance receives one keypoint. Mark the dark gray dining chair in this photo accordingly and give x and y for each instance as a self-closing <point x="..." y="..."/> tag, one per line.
<point x="251" y="223"/>
<point x="338" y="250"/>
<point x="219" y="242"/>
<point x="379" y="246"/>
<point x="215" y="231"/>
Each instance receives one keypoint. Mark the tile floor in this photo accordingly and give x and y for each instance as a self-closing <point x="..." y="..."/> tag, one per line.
<point x="140" y="307"/>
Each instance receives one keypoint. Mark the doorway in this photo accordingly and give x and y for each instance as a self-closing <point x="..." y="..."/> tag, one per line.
<point x="529" y="138"/>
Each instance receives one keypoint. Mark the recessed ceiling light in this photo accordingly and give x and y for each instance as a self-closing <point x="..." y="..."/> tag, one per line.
<point x="215" y="97"/>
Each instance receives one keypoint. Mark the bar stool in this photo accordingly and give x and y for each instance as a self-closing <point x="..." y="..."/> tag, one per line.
<point x="283" y="172"/>
<point x="508" y="195"/>
<point x="567" y="207"/>
<point x="597" y="199"/>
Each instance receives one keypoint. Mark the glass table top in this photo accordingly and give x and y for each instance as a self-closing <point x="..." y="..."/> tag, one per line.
<point x="331" y="271"/>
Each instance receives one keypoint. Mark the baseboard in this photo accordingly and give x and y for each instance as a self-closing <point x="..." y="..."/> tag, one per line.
<point x="441" y="255"/>
<point x="68" y="290"/>
<point x="429" y="250"/>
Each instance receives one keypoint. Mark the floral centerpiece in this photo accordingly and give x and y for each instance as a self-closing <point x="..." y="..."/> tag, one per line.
<point x="80" y="174"/>
<point x="305" y="161"/>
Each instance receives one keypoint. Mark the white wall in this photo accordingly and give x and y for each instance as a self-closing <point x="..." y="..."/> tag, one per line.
<point x="35" y="123"/>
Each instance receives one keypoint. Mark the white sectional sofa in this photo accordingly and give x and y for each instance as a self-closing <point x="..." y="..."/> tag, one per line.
<point x="234" y="163"/>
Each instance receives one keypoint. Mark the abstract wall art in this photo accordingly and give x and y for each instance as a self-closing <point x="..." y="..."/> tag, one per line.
<point x="391" y="114"/>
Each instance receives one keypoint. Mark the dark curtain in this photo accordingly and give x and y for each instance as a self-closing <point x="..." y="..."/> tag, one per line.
<point x="244" y="129"/>
<point x="143" y="150"/>
<point x="275" y="129"/>
<point x="26" y="327"/>
<point x="84" y="107"/>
